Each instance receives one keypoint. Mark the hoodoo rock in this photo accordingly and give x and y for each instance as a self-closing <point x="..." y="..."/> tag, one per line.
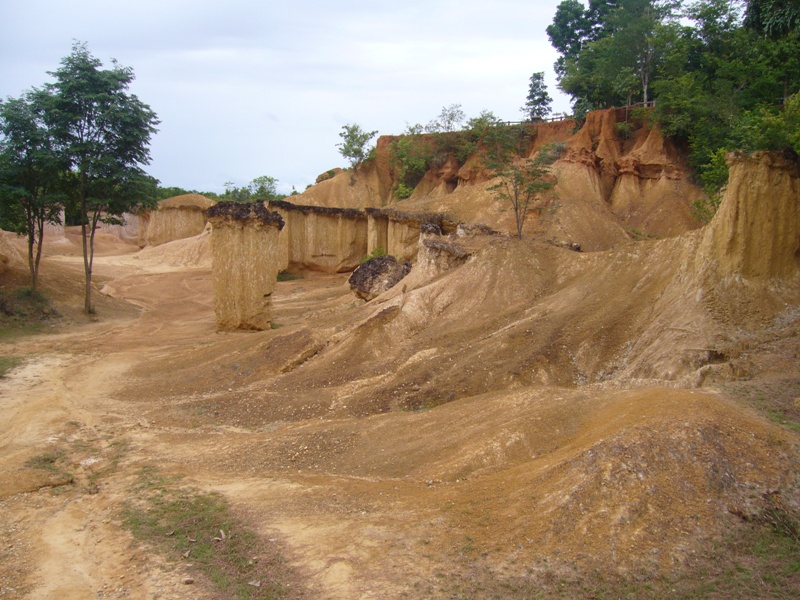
<point x="377" y="275"/>
<point x="244" y="246"/>
<point x="756" y="231"/>
<point x="176" y="218"/>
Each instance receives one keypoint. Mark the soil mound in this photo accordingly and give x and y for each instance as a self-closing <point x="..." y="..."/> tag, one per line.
<point x="176" y="218"/>
<point x="193" y="252"/>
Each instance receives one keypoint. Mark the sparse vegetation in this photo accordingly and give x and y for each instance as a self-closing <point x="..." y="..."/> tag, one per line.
<point x="759" y="558"/>
<point x="778" y="399"/>
<point x="639" y="235"/>
<point x="45" y="462"/>
<point x="288" y="276"/>
<point x="188" y="524"/>
<point x="8" y="363"/>
<point x="376" y="253"/>
<point x="24" y="311"/>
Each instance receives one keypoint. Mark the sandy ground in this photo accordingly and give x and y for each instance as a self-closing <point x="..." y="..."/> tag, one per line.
<point x="333" y="454"/>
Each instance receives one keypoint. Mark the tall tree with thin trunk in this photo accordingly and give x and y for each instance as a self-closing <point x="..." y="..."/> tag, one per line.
<point x="522" y="182"/>
<point x="30" y="171"/>
<point x="103" y="132"/>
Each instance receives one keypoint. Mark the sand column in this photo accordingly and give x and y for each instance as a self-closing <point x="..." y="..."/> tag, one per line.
<point x="245" y="249"/>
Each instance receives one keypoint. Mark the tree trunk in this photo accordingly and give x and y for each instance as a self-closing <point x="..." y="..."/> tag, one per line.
<point x="786" y="89"/>
<point x="87" y="259"/>
<point x="30" y="224"/>
<point x="38" y="258"/>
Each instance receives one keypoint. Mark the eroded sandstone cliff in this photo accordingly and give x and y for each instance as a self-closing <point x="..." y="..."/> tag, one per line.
<point x="176" y="218"/>
<point x="244" y="245"/>
<point x="756" y="231"/>
<point x="617" y="179"/>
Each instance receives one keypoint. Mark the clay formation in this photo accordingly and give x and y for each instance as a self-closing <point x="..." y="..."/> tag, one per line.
<point x="244" y="246"/>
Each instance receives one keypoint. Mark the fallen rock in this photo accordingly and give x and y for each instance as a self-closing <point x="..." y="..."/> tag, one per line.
<point x="377" y="275"/>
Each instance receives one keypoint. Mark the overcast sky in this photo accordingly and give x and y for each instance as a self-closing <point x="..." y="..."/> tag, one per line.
<point x="245" y="88"/>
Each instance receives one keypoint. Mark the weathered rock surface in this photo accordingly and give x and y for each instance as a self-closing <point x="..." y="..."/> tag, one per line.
<point x="176" y="218"/>
<point x="377" y="275"/>
<point x="617" y="179"/>
<point x="332" y="240"/>
<point x="244" y="245"/>
<point x="756" y="231"/>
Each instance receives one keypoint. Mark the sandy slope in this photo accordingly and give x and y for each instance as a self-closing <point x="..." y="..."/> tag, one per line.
<point x="533" y="409"/>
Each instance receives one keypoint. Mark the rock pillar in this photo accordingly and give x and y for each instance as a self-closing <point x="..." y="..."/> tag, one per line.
<point x="756" y="231"/>
<point x="246" y="261"/>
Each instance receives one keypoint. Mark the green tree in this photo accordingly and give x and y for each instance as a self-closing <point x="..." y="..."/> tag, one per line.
<point x="260" y="188"/>
<point x="574" y="25"/>
<point x="773" y="17"/>
<point x="411" y="155"/>
<point x="354" y="146"/>
<point x="30" y="172"/>
<point x="523" y="181"/>
<point x="162" y="193"/>
<point x="103" y="132"/>
<point x="264" y="188"/>
<point x="611" y="42"/>
<point x="538" y="102"/>
<point x="450" y="119"/>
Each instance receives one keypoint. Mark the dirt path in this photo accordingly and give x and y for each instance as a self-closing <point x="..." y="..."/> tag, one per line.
<point x="61" y="528"/>
<point x="61" y="534"/>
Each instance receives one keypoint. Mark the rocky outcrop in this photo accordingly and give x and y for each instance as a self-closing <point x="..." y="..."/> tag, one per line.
<point x="439" y="253"/>
<point x="130" y="230"/>
<point x="335" y="240"/>
<point x="756" y="231"/>
<point x="398" y="232"/>
<point x="175" y="219"/>
<point x="331" y="240"/>
<point x="244" y="245"/>
<point x="377" y="275"/>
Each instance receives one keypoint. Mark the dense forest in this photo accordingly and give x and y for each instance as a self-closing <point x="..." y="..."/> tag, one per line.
<point x="721" y="74"/>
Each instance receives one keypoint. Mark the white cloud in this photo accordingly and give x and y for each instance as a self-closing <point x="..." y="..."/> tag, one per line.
<point x="249" y="88"/>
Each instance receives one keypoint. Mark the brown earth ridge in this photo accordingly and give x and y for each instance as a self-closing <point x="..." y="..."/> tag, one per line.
<point x="511" y="411"/>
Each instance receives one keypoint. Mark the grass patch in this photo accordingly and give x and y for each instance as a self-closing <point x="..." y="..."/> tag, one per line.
<point x="45" y="462"/>
<point x="201" y="528"/>
<point x="778" y="399"/>
<point x="7" y="363"/>
<point x="639" y="235"/>
<point x="287" y="276"/>
<point x="55" y="464"/>
<point x="376" y="253"/>
<point x="24" y="311"/>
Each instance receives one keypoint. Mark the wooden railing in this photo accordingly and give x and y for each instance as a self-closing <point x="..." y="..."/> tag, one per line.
<point x="566" y="117"/>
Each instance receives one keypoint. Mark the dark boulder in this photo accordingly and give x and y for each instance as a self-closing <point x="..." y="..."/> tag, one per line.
<point x="377" y="275"/>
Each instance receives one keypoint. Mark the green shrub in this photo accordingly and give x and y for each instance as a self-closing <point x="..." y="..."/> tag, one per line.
<point x="376" y="253"/>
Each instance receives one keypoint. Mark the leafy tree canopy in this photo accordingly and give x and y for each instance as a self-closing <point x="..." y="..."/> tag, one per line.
<point x="538" y="103"/>
<point x="354" y="146"/>
<point x="450" y="119"/>
<point x="102" y="132"/>
<point x="30" y="174"/>
<point x="263" y="187"/>
<point x="722" y="73"/>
